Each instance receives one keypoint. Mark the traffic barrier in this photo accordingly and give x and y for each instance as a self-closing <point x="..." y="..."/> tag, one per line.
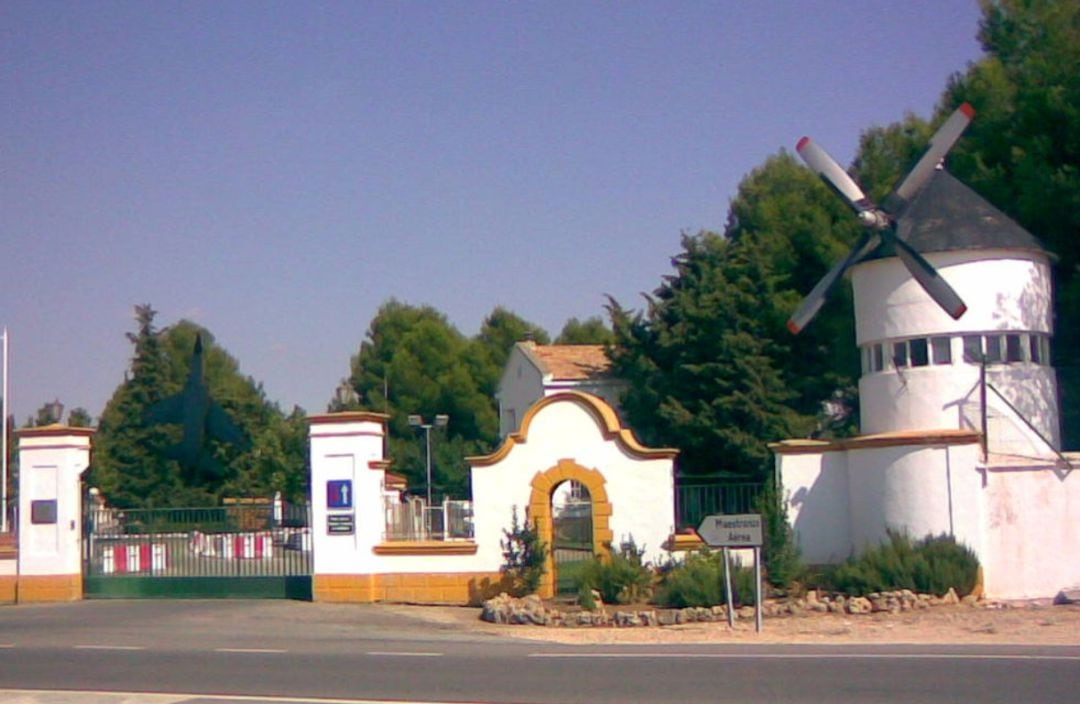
<point x="141" y="557"/>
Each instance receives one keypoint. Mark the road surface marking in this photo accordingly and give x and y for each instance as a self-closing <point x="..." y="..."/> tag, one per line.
<point x="109" y="647"/>
<point x="812" y="656"/>
<point x="120" y="697"/>
<point x="403" y="654"/>
<point x="256" y="651"/>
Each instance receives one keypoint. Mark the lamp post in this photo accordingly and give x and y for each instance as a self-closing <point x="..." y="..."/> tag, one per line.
<point x="4" y="442"/>
<point x="418" y="422"/>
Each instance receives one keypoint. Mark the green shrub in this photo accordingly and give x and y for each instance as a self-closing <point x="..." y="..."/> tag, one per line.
<point x="524" y="555"/>
<point x="783" y="563"/>
<point x="699" y="581"/>
<point x="933" y="564"/>
<point x="621" y="579"/>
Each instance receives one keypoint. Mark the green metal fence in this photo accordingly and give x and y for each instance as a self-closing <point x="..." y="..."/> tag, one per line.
<point x="698" y="497"/>
<point x="260" y="550"/>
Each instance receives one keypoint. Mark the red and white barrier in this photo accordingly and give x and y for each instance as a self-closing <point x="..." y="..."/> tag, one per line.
<point x="125" y="559"/>
<point x="228" y="546"/>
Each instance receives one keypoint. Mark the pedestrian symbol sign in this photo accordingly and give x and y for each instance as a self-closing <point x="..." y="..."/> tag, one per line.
<point x="339" y="493"/>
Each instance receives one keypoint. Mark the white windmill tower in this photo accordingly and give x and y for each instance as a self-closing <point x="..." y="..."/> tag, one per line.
<point x="958" y="401"/>
<point x="953" y="310"/>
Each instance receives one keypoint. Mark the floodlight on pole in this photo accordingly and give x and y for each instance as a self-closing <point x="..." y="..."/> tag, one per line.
<point x="417" y="421"/>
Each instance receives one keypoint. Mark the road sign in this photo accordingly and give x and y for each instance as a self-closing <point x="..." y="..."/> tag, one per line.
<point x="340" y="524"/>
<point x="339" y="493"/>
<point x="741" y="530"/>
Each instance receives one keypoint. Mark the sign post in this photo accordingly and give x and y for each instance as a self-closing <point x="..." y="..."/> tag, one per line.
<point x="742" y="530"/>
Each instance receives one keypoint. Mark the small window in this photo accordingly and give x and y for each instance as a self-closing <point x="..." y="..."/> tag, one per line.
<point x="899" y="354"/>
<point x="993" y="348"/>
<point x="1014" y="351"/>
<point x="865" y="359"/>
<point x="1044" y="345"/>
<point x="942" y="349"/>
<point x="972" y="348"/>
<point x="1035" y="349"/>
<point x="920" y="352"/>
<point x="878" y="354"/>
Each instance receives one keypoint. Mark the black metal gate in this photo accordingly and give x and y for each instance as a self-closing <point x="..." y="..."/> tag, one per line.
<point x="253" y="550"/>
<point x="572" y="543"/>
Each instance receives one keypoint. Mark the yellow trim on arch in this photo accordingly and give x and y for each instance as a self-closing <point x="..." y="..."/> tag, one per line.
<point x="543" y="486"/>
<point x="602" y="413"/>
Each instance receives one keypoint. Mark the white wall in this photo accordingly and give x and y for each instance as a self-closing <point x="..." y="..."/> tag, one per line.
<point x="51" y="460"/>
<point x="1003" y="289"/>
<point x="641" y="490"/>
<point x="1022" y="520"/>
<point x="520" y="386"/>
<point x="1031" y="530"/>
<point x="815" y="488"/>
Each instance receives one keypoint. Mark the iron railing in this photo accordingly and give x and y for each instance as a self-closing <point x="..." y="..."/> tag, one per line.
<point x="226" y="541"/>
<point x="415" y="520"/>
<point x="698" y="497"/>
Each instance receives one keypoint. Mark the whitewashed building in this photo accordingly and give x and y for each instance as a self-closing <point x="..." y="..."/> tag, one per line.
<point x="959" y="417"/>
<point x="534" y="371"/>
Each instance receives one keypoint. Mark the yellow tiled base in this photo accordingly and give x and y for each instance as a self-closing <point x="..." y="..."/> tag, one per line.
<point x="455" y="588"/>
<point x="59" y="587"/>
<point x="8" y="583"/>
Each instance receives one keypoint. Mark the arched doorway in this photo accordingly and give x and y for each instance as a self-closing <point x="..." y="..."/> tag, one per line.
<point x="572" y="534"/>
<point x="544" y="485"/>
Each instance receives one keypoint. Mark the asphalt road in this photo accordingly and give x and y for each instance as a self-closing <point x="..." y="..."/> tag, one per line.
<point x="204" y="650"/>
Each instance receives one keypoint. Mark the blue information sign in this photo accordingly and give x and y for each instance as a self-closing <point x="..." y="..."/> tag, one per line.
<point x="339" y="493"/>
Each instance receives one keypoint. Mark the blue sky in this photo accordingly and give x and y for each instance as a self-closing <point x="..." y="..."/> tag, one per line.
<point x="277" y="170"/>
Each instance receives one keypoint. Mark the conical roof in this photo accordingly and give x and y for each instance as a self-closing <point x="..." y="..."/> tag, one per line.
<point x="948" y="216"/>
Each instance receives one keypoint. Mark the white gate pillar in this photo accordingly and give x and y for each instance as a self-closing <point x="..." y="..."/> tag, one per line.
<point x="51" y="461"/>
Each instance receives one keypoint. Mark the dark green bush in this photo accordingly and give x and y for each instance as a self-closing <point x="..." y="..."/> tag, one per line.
<point x="783" y="563"/>
<point x="699" y="581"/>
<point x="933" y="564"/>
<point x="523" y="557"/>
<point x="621" y="579"/>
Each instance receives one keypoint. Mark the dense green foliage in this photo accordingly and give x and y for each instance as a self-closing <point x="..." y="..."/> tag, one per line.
<point x="132" y="465"/>
<point x="621" y="578"/>
<point x="699" y="581"/>
<point x="930" y="565"/>
<point x="414" y="362"/>
<point x="591" y="331"/>
<point x="524" y="556"/>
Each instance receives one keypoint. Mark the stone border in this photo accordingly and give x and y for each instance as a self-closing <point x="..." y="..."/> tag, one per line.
<point x="531" y="610"/>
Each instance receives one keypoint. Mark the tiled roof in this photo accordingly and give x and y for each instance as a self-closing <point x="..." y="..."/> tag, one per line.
<point x="949" y="216"/>
<point x="572" y="362"/>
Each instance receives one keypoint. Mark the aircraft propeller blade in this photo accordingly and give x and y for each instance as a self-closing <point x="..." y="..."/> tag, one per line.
<point x="940" y="144"/>
<point x="929" y="278"/>
<point x="826" y="167"/>
<point x="820" y="293"/>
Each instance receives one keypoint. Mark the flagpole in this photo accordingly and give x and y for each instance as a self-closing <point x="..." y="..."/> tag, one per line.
<point x="4" y="443"/>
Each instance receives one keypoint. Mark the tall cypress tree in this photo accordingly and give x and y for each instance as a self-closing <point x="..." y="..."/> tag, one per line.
<point x="130" y="467"/>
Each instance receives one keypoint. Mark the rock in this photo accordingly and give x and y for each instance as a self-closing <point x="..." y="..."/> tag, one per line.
<point x="746" y="612"/>
<point x="950" y="597"/>
<point x="838" y="605"/>
<point x="668" y="618"/>
<point x="720" y="612"/>
<point x="1068" y="596"/>
<point x="859" y="605"/>
<point x="970" y="600"/>
<point x="648" y="618"/>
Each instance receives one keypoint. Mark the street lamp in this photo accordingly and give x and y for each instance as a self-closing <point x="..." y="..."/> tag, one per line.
<point x="418" y="422"/>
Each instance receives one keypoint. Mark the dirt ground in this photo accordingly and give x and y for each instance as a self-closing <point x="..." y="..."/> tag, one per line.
<point x="1031" y="623"/>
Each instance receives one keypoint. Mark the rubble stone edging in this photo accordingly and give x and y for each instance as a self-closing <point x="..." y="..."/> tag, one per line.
<point x="531" y="610"/>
